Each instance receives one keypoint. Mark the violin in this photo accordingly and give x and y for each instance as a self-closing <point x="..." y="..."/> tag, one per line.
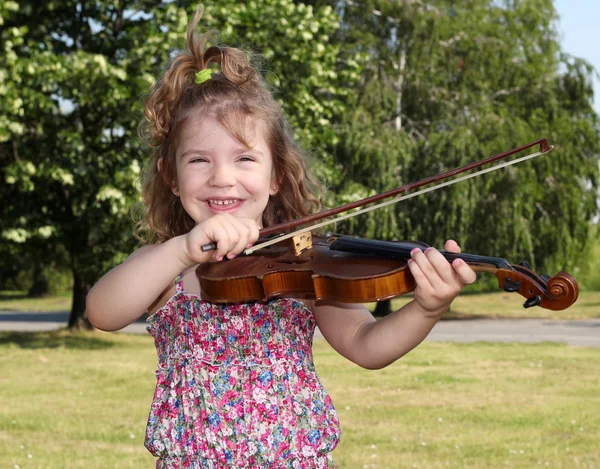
<point x="355" y="270"/>
<point x="349" y="269"/>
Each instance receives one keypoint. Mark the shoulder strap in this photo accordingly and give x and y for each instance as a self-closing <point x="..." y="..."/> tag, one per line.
<point x="179" y="284"/>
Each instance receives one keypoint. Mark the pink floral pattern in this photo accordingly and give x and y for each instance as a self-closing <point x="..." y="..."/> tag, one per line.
<point x="237" y="387"/>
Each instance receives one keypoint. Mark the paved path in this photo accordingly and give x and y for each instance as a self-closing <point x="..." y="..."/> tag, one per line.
<point x="580" y="333"/>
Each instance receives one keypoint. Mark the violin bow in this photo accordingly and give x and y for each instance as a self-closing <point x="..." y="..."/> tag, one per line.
<point x="544" y="148"/>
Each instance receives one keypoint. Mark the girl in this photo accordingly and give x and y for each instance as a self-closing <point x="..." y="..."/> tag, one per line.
<point x="236" y="383"/>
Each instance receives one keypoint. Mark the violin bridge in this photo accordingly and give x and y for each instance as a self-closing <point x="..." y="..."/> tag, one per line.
<point x="302" y="241"/>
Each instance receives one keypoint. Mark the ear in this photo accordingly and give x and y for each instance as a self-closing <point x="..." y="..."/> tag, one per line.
<point x="274" y="189"/>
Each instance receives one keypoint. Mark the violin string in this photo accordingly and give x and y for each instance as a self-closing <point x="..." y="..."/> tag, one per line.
<point x="392" y="201"/>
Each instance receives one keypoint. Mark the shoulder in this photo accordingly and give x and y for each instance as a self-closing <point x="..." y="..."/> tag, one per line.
<point x="162" y="299"/>
<point x="308" y="303"/>
<point x="190" y="284"/>
<point x="325" y="309"/>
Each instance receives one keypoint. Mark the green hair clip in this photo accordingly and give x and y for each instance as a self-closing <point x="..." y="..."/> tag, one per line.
<point x="203" y="75"/>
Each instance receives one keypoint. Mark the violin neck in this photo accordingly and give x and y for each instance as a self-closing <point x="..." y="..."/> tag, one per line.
<point x="402" y="250"/>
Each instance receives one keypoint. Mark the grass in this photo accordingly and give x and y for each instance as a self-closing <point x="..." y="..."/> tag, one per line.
<point x="81" y="401"/>
<point x="18" y="301"/>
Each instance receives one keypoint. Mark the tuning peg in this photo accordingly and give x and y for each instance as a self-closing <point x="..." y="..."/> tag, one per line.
<point x="525" y="264"/>
<point x="511" y="286"/>
<point x="545" y="277"/>
<point x="533" y="301"/>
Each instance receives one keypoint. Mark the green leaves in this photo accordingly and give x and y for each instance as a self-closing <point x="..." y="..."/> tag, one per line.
<point x="448" y="83"/>
<point x="381" y="94"/>
<point x="72" y="87"/>
<point x="303" y="63"/>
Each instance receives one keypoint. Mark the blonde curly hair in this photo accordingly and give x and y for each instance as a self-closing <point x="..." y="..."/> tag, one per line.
<point x="232" y="96"/>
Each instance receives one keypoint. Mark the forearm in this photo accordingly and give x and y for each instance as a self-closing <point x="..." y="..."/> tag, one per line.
<point x="384" y="341"/>
<point x="126" y="292"/>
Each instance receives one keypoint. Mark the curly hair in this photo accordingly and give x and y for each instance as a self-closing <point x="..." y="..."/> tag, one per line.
<point x="232" y="96"/>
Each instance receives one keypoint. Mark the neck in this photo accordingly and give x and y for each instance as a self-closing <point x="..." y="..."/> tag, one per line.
<point x="402" y="250"/>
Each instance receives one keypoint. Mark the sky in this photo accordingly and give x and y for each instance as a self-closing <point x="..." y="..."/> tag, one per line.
<point x="578" y="25"/>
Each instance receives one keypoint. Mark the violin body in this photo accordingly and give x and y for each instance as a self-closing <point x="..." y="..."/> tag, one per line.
<point x="317" y="273"/>
<point x="356" y="270"/>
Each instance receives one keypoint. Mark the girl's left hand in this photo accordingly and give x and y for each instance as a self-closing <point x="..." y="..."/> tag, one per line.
<point x="438" y="281"/>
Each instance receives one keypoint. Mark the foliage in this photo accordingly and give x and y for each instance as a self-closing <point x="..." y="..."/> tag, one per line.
<point x="73" y="87"/>
<point x="448" y="83"/>
<point x="383" y="93"/>
<point x="70" y="166"/>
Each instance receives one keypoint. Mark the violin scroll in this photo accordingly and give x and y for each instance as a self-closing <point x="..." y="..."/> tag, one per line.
<point x="563" y="286"/>
<point x="554" y="293"/>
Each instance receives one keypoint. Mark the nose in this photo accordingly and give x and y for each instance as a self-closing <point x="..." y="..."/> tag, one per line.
<point x="222" y="175"/>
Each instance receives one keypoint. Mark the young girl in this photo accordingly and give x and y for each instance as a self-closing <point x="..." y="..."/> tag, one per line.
<point x="236" y="383"/>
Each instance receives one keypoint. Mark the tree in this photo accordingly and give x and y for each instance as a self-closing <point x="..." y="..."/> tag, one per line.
<point x="73" y="85"/>
<point x="450" y="82"/>
<point x="69" y="161"/>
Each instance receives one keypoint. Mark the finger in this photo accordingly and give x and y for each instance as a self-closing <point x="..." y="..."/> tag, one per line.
<point x="433" y="265"/>
<point x="232" y="226"/>
<point x="451" y="246"/>
<point x="220" y="236"/>
<point x="464" y="272"/>
<point x="254" y="232"/>
<point x="416" y="269"/>
<point x="227" y="235"/>
<point x="243" y="232"/>
<point x="441" y="265"/>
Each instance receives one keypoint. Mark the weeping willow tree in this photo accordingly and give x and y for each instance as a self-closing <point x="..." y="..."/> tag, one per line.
<point x="446" y="83"/>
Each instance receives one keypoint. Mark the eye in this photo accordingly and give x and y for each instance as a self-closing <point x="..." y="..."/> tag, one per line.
<point x="246" y="158"/>
<point x="198" y="160"/>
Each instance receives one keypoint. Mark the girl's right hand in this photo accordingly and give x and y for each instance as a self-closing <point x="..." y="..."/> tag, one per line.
<point x="231" y="234"/>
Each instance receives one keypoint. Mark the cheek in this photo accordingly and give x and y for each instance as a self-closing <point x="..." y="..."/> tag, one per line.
<point x="191" y="182"/>
<point x="261" y="187"/>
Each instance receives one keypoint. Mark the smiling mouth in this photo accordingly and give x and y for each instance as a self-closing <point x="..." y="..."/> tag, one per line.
<point x="223" y="203"/>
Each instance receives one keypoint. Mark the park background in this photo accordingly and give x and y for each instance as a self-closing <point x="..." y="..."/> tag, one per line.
<point x="380" y="94"/>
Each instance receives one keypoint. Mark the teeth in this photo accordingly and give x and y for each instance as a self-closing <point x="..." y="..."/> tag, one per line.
<point x="222" y="202"/>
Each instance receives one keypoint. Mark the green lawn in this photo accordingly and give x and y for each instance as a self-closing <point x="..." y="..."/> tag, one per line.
<point x="81" y="401"/>
<point x="18" y="301"/>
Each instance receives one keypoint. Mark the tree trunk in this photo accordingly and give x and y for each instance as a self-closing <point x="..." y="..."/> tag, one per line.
<point x="400" y="86"/>
<point x="78" y="319"/>
<point x="383" y="308"/>
<point x="40" y="284"/>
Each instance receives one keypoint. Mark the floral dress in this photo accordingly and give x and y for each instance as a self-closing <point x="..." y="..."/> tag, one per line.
<point x="237" y="387"/>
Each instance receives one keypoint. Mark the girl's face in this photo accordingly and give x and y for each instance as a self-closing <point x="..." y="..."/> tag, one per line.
<point x="217" y="174"/>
